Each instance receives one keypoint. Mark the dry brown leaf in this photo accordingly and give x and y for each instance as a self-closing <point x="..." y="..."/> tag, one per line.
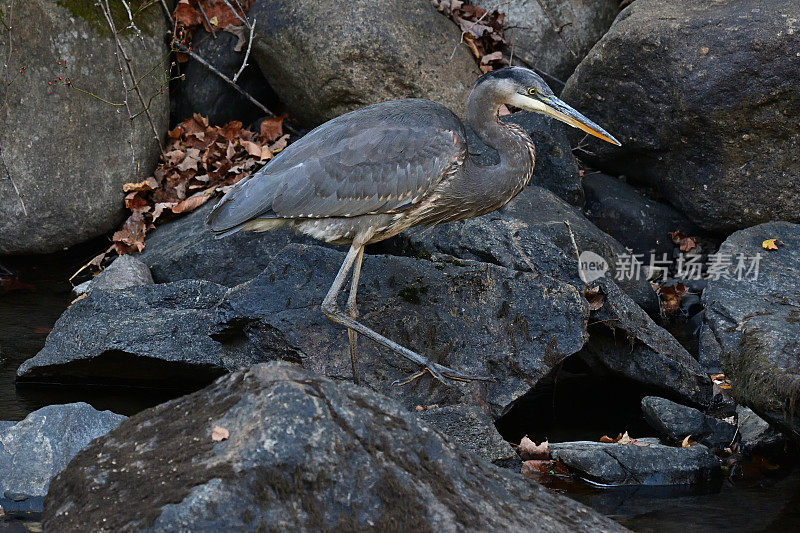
<point x="145" y="185"/>
<point x="241" y="36"/>
<point x="191" y="203"/>
<point x="528" y="449"/>
<point x="671" y="296"/>
<point x="535" y="468"/>
<point x="219" y="434"/>
<point x="271" y="129"/>
<point x="686" y="244"/>
<point x="685" y="443"/>
<point x="595" y="298"/>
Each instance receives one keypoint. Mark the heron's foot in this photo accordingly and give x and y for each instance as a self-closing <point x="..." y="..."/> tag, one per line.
<point x="442" y="373"/>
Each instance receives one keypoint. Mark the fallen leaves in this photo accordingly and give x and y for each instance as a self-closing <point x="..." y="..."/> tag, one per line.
<point x="482" y="31"/>
<point x="218" y="14"/>
<point x="219" y="433"/>
<point x="771" y="244"/>
<point x="536" y="468"/>
<point x="594" y="297"/>
<point x="720" y="382"/>
<point x="686" y="244"/>
<point x="528" y="449"/>
<point x="199" y="161"/>
<point x="687" y="441"/>
<point x="622" y="439"/>
<point x="671" y="296"/>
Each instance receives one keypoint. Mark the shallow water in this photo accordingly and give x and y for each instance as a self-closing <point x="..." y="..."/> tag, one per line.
<point x="756" y="503"/>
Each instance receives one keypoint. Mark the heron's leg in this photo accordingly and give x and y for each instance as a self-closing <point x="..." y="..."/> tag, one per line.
<point x="352" y="312"/>
<point x="332" y="311"/>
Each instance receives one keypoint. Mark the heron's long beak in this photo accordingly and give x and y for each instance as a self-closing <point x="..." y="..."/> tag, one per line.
<point x="558" y="109"/>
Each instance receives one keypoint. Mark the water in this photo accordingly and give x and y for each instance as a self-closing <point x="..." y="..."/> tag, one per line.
<point x="760" y="502"/>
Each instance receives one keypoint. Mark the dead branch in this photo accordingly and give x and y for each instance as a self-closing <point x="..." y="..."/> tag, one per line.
<point x="247" y="53"/>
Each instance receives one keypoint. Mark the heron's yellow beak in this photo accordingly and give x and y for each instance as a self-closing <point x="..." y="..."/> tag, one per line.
<point x="559" y="110"/>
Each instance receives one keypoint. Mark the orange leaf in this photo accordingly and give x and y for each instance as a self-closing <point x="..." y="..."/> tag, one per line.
<point x="271" y="129"/>
<point x="771" y="244"/>
<point x="146" y="185"/>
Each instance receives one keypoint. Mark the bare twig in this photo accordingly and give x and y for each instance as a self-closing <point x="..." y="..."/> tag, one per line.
<point x="574" y="247"/>
<point x="121" y="52"/>
<point x="247" y="53"/>
<point x="205" y="17"/>
<point x="238" y="16"/>
<point x="230" y="82"/>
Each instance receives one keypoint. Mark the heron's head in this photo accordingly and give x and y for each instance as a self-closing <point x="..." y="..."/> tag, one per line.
<point x="524" y="89"/>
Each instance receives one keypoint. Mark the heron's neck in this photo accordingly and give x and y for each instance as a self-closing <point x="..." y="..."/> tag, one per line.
<point x="511" y="142"/>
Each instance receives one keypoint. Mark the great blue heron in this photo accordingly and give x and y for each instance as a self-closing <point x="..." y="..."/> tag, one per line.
<point x="369" y="174"/>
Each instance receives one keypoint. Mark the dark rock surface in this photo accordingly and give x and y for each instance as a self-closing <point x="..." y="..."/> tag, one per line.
<point x="201" y="91"/>
<point x="528" y="234"/>
<point x="186" y="249"/>
<point x="153" y="335"/>
<point x="639" y="223"/>
<point x="618" y="464"/>
<point x="624" y="341"/>
<point x="676" y="422"/>
<point x="709" y="351"/>
<point x="322" y="63"/>
<point x="470" y="428"/>
<point x="475" y="317"/>
<point x="757" y="323"/>
<point x="757" y="436"/>
<point x="125" y="271"/>
<point x="34" y="450"/>
<point x="707" y="120"/>
<point x="64" y="155"/>
<point x="303" y="453"/>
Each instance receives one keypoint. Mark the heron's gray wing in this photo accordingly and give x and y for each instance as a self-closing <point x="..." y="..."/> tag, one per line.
<point x="374" y="160"/>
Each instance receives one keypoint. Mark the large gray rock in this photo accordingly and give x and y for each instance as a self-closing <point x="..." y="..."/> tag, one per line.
<point x="703" y="97"/>
<point x="153" y="335"/>
<point x="639" y="223"/>
<point x="125" y="271"/>
<point x="554" y="35"/>
<point x="34" y="450"/>
<point x="628" y="464"/>
<point x="624" y="341"/>
<point x="65" y="154"/>
<point x="529" y="235"/>
<point x="470" y="428"/>
<point x="324" y="58"/>
<point x="476" y="317"/>
<point x="676" y="422"/>
<point x="757" y="323"/>
<point x="757" y="436"/>
<point x="202" y="91"/>
<point x="302" y="453"/>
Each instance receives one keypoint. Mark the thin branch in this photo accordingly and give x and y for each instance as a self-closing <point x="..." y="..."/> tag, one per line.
<point x="205" y="17"/>
<point x="226" y="79"/>
<point x="237" y="14"/>
<point x="137" y="90"/>
<point x="247" y="53"/>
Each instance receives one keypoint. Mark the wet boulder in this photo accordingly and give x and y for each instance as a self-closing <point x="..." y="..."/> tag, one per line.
<point x="529" y="235"/>
<point x="34" y="450"/>
<point x="125" y="271"/>
<point x="631" y="464"/>
<point x="554" y="36"/>
<point x="639" y="223"/>
<point x="676" y="422"/>
<point x="296" y="451"/>
<point x="324" y="58"/>
<point x="65" y="154"/>
<point x="475" y="317"/>
<point x="703" y="97"/>
<point x="148" y="336"/>
<point x="755" y="317"/>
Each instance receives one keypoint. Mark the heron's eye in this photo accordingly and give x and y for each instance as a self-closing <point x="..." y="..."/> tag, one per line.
<point x="531" y="91"/>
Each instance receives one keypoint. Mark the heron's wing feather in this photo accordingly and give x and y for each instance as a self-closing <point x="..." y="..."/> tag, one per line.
<point x="375" y="160"/>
